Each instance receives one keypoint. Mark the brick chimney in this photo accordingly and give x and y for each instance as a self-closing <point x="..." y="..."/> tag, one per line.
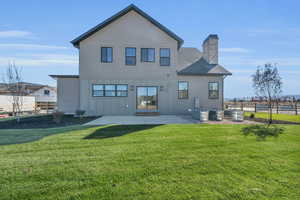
<point x="210" y="49"/>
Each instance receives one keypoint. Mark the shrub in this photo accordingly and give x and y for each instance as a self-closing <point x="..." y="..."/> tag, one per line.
<point x="262" y="132"/>
<point x="79" y="112"/>
<point x="57" y="116"/>
<point x="252" y="116"/>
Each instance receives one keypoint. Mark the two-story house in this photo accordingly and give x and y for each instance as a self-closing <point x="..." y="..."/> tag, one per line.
<point x="131" y="64"/>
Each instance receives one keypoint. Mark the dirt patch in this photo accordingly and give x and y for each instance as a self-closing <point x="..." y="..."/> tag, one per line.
<point x="42" y="121"/>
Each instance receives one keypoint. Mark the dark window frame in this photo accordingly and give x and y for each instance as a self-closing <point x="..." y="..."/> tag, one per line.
<point x="102" y="56"/>
<point x="147" y="54"/>
<point x="187" y="97"/>
<point x="115" y="90"/>
<point x="161" y="57"/>
<point x="130" y="56"/>
<point x="209" y="90"/>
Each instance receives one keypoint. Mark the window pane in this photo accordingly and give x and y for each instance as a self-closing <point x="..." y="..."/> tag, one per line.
<point x="109" y="87"/>
<point x="109" y="54"/>
<point x="106" y="54"/>
<point x="130" y="60"/>
<point x="122" y="93"/>
<point x="213" y="86"/>
<point x="110" y="93"/>
<point x="122" y="87"/>
<point x="183" y="94"/>
<point x="98" y="87"/>
<point x="130" y="51"/>
<point x="98" y="93"/>
<point x="165" y="52"/>
<point x="213" y="94"/>
<point x="147" y="54"/>
<point x="144" y="55"/>
<point x="151" y="54"/>
<point x="103" y="54"/>
<point x="165" y="61"/>
<point x="183" y="85"/>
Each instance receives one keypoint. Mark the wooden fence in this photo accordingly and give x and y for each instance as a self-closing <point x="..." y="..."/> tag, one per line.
<point x="45" y="106"/>
<point x="278" y="107"/>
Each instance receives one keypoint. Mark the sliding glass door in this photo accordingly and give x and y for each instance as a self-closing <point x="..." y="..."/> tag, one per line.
<point x="146" y="99"/>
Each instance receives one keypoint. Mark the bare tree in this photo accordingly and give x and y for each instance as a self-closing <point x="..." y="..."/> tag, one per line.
<point x="12" y="79"/>
<point x="267" y="83"/>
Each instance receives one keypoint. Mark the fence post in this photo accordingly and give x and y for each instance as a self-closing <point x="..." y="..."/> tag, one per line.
<point x="296" y="108"/>
<point x="255" y="107"/>
<point x="242" y="106"/>
<point x="277" y="106"/>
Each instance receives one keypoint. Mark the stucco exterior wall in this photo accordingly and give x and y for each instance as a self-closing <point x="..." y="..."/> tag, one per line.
<point x="133" y="30"/>
<point x="68" y="95"/>
<point x="168" y="102"/>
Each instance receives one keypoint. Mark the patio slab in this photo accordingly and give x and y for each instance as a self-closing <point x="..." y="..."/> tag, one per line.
<point x="127" y="120"/>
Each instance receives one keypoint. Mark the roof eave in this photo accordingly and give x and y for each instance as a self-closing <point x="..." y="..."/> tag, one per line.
<point x="63" y="76"/>
<point x="206" y="74"/>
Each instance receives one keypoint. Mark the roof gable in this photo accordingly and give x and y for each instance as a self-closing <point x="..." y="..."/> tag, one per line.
<point x="108" y="21"/>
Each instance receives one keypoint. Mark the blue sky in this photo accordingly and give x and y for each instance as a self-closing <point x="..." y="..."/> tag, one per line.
<point x="36" y="34"/>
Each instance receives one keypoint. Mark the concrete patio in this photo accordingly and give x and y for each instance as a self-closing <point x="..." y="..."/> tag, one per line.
<point x="126" y="120"/>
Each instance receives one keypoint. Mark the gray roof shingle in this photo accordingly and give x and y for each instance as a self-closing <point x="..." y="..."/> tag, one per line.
<point x="202" y="67"/>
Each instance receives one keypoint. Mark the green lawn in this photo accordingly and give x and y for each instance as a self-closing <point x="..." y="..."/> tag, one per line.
<point x="150" y="162"/>
<point x="283" y="117"/>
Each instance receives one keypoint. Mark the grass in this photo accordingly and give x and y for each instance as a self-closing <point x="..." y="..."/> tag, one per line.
<point x="151" y="162"/>
<point x="282" y="117"/>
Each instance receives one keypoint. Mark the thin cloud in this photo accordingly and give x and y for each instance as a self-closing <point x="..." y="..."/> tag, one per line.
<point x="252" y="61"/>
<point x="41" y="60"/>
<point x="234" y="50"/>
<point x="15" y="34"/>
<point x="32" y="47"/>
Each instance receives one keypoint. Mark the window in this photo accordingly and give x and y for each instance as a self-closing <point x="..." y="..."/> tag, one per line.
<point x="164" y="59"/>
<point x="183" y="90"/>
<point x="213" y="90"/>
<point x="99" y="90"/>
<point x="122" y="91"/>
<point x="46" y="92"/>
<point x="106" y="54"/>
<point x="148" y="55"/>
<point x="130" y="56"/>
<point x="110" y="90"/>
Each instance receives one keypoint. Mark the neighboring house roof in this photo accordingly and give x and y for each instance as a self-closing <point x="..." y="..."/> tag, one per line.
<point x="26" y="88"/>
<point x="64" y="76"/>
<point x="131" y="7"/>
<point x="202" y="67"/>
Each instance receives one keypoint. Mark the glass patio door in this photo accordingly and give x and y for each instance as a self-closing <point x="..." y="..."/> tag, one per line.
<point x="146" y="99"/>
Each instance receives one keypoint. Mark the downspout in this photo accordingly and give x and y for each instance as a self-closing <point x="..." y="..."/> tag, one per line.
<point x="223" y="91"/>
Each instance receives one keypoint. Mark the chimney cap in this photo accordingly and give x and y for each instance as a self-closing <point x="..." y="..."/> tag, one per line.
<point x="211" y="36"/>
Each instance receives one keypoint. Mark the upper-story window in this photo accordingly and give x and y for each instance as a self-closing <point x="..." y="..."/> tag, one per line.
<point x="183" y="90"/>
<point x="213" y="90"/>
<point x="164" y="58"/>
<point x="148" y="55"/>
<point x="106" y="54"/>
<point x="130" y="56"/>
<point x="46" y="92"/>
